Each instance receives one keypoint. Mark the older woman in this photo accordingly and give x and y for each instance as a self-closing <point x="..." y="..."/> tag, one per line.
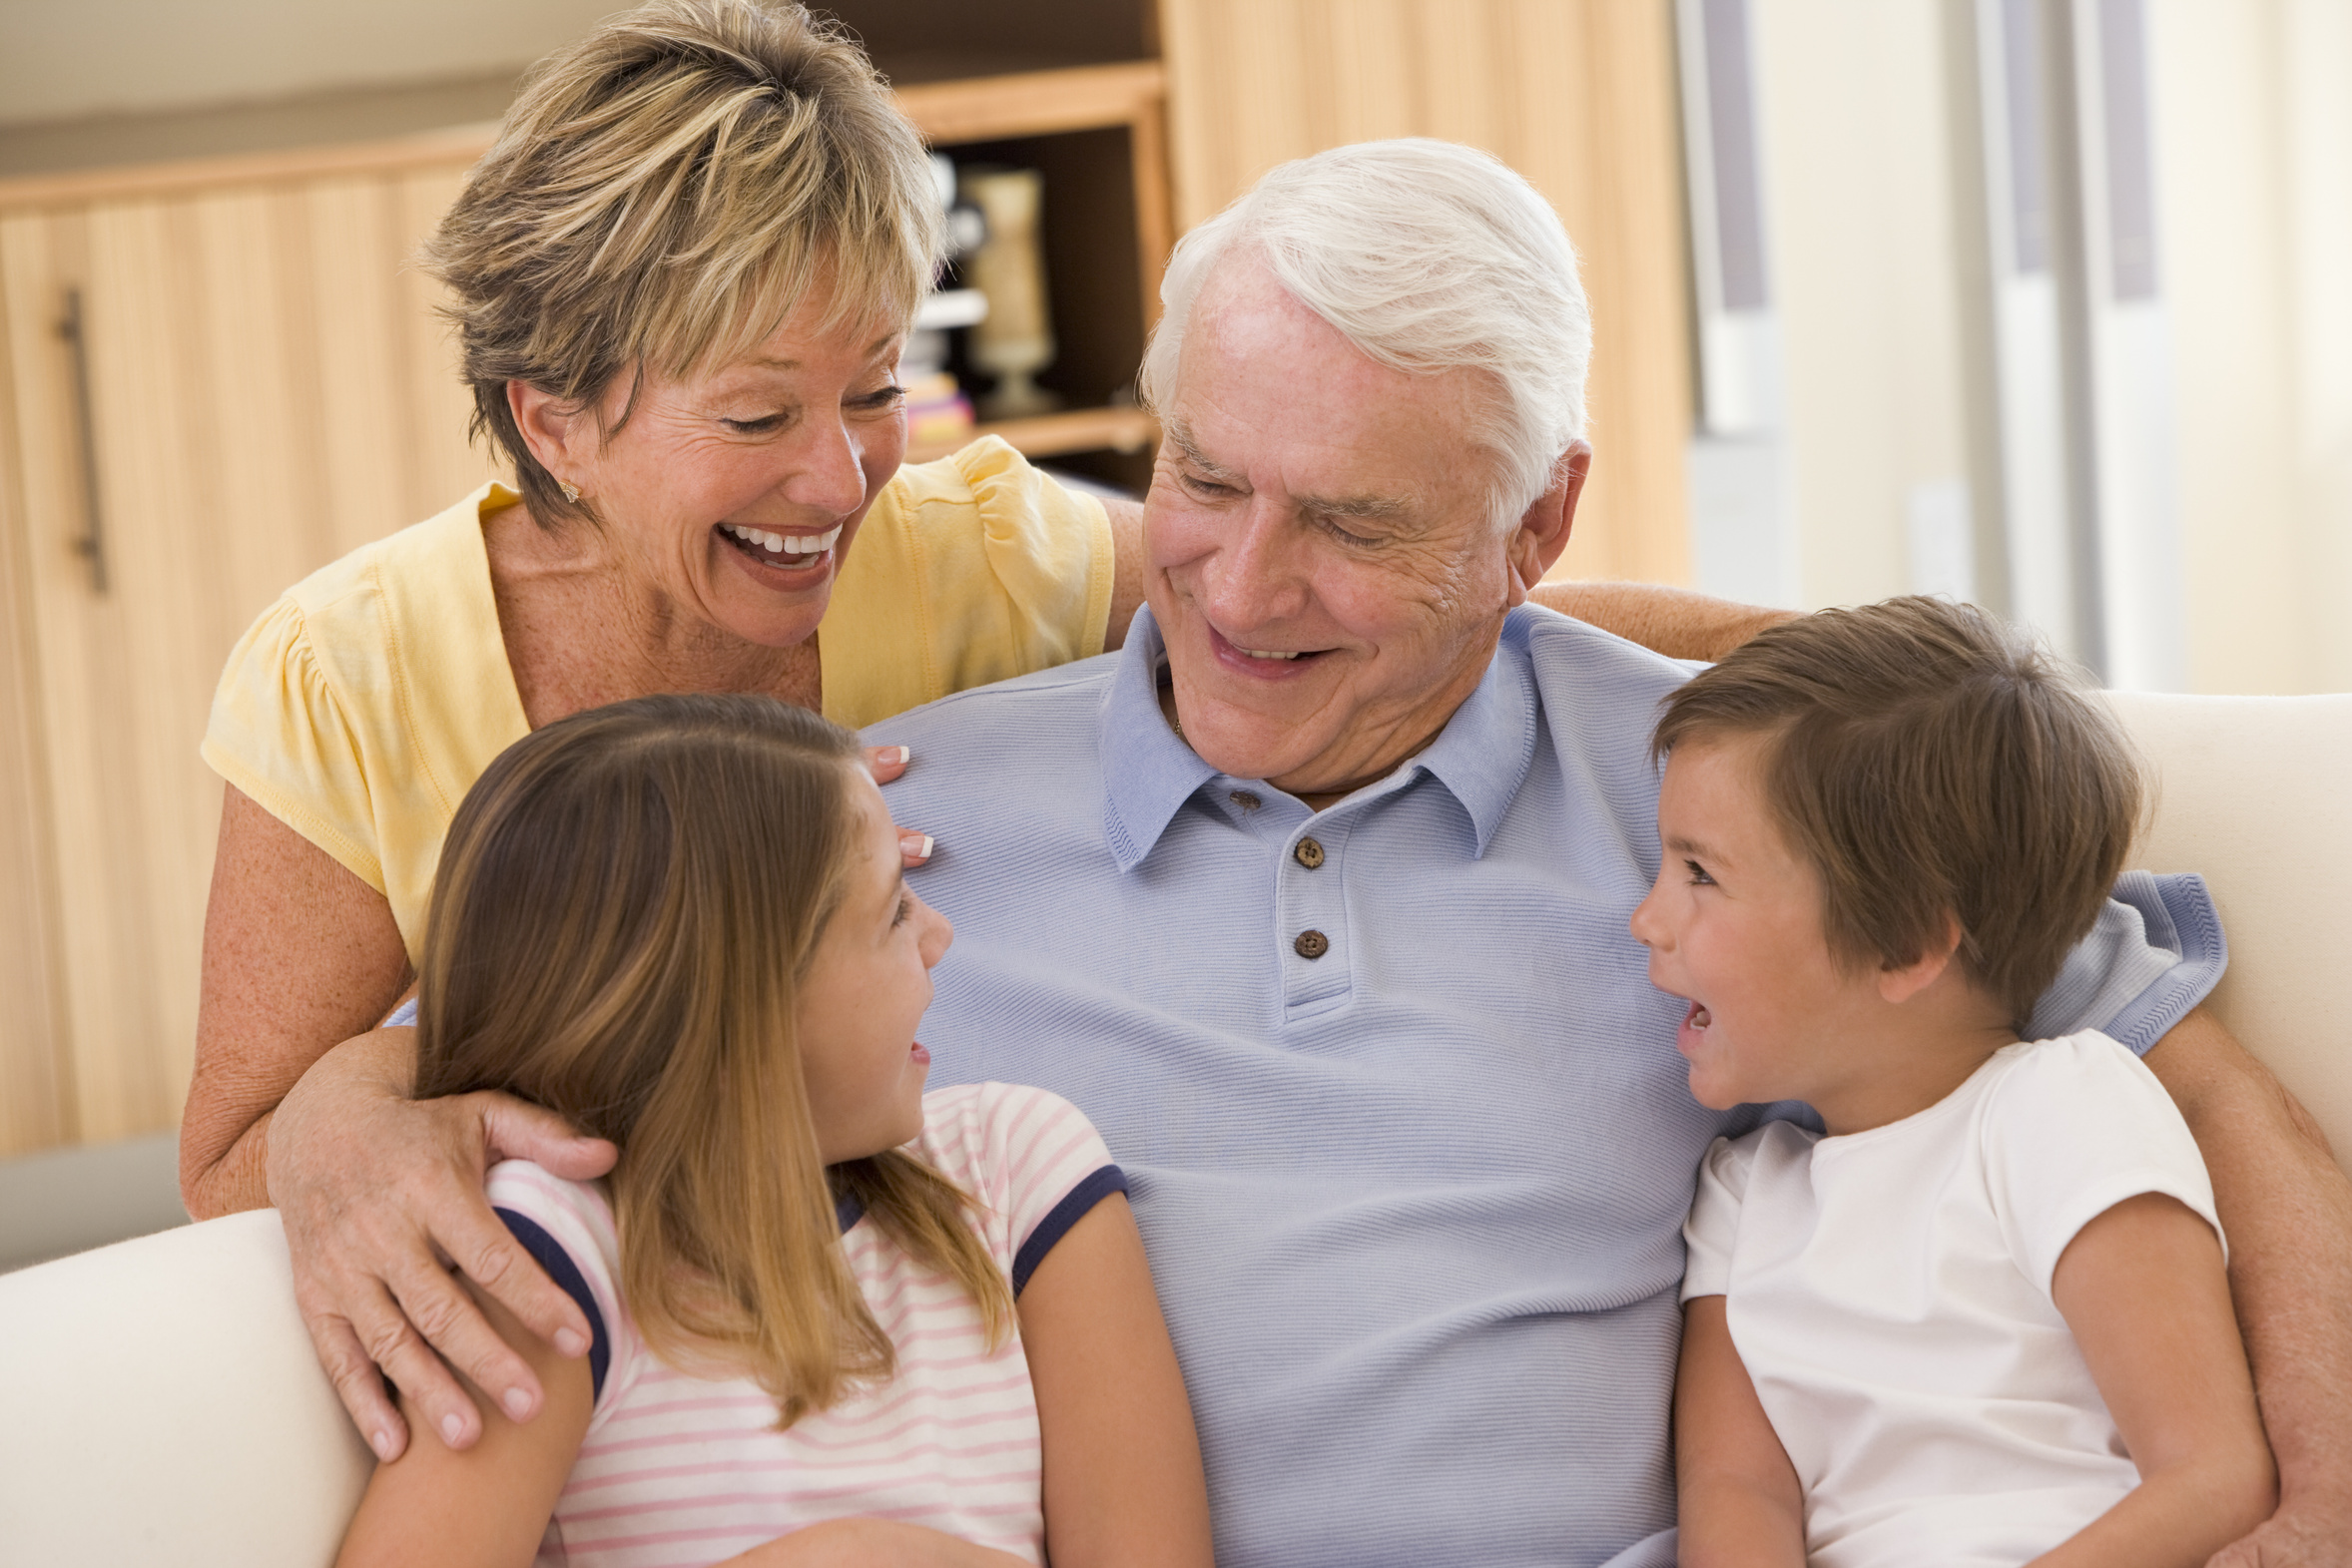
<point x="682" y="278"/>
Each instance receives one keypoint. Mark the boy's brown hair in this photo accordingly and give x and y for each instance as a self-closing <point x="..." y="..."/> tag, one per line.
<point x="1932" y="765"/>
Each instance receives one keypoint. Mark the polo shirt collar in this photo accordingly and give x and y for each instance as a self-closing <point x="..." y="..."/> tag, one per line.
<point x="1481" y="756"/>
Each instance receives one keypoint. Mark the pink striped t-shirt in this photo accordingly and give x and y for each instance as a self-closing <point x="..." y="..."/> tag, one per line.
<point x="681" y="1470"/>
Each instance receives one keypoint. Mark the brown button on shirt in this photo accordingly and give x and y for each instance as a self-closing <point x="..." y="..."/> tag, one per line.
<point x="1311" y="944"/>
<point x="1308" y="853"/>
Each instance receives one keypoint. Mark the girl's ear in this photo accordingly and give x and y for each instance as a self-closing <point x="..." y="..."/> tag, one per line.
<point x="1900" y="983"/>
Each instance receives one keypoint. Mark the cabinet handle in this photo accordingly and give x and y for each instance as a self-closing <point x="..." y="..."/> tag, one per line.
<point x="91" y="545"/>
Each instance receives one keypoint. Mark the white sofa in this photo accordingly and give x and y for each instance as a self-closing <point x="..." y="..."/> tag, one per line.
<point x="158" y="1402"/>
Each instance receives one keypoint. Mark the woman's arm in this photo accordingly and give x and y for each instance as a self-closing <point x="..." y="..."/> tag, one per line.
<point x="1123" y="1483"/>
<point x="2142" y="1288"/>
<point x="298" y="954"/>
<point x="1128" y="569"/>
<point x="1738" y="1499"/>
<point x="375" y="1189"/>
<point x="486" y="1506"/>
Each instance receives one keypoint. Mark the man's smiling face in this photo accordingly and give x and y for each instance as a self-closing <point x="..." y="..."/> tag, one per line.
<point x="1325" y="564"/>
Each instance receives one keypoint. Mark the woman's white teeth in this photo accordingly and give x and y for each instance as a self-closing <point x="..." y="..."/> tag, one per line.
<point x="786" y="544"/>
<point x="1254" y="654"/>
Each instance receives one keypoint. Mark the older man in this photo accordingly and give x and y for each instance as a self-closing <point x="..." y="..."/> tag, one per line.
<point x="1314" y="898"/>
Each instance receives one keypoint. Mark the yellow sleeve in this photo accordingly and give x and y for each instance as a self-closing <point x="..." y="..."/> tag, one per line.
<point x="972" y="569"/>
<point x="279" y="735"/>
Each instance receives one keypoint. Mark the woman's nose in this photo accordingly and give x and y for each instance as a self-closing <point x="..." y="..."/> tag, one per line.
<point x="830" y="469"/>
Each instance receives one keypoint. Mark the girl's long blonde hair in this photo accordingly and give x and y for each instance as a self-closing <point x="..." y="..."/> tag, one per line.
<point x="627" y="905"/>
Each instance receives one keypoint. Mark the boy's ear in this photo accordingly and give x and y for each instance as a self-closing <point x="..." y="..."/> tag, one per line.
<point x="1899" y="983"/>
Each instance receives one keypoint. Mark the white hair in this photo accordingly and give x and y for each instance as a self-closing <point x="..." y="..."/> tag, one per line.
<point x="1426" y="257"/>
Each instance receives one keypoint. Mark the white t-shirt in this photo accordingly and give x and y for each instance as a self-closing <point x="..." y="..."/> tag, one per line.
<point x="678" y="1470"/>
<point x="1889" y="1291"/>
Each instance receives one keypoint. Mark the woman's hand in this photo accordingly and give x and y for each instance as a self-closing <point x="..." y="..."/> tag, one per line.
<point x="887" y="762"/>
<point x="381" y="1196"/>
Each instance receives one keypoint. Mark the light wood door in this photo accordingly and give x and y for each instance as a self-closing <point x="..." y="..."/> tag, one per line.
<point x="1577" y="94"/>
<point x="267" y="389"/>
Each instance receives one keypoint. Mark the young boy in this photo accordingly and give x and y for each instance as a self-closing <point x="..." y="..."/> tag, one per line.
<point x="1983" y="1320"/>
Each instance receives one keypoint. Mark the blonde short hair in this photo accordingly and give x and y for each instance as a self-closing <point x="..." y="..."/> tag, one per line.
<point x="664" y="194"/>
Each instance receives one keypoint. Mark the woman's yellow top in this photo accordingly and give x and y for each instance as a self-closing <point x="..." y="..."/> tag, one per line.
<point x="364" y="702"/>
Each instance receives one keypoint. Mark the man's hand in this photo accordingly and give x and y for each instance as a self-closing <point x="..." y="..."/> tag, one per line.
<point x="2292" y="1540"/>
<point x="381" y="1196"/>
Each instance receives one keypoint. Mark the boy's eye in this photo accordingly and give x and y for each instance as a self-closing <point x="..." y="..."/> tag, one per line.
<point x="1698" y="874"/>
<point x="906" y="908"/>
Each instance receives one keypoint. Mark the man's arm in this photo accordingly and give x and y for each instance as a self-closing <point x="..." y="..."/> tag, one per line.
<point x="2287" y="1211"/>
<point x="1671" y="621"/>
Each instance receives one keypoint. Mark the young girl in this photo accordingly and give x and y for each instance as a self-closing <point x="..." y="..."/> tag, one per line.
<point x="835" y="1320"/>
<point x="1983" y="1320"/>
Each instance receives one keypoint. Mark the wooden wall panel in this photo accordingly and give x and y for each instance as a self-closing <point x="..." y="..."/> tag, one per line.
<point x="35" y="1068"/>
<point x="270" y="390"/>
<point x="1577" y="95"/>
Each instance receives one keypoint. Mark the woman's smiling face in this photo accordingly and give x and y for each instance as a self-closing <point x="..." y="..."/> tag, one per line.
<point x="735" y="493"/>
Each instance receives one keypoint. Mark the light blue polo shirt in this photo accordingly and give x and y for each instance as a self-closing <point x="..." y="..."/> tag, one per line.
<point x="1412" y="1189"/>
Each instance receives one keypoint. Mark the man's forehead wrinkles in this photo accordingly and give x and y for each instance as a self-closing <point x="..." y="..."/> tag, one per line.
<point x="1371" y="507"/>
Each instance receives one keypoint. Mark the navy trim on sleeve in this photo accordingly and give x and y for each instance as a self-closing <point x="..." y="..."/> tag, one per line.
<point x="560" y="1267"/>
<point x="1050" y="1230"/>
<point x="2205" y="954"/>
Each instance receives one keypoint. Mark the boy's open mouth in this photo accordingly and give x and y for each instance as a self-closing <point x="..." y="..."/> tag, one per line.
<point x="1694" y="1024"/>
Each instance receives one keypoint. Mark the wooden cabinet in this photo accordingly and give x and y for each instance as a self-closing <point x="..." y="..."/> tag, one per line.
<point x="256" y="389"/>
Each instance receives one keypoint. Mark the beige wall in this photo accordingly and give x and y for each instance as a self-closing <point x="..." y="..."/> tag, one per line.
<point x="2253" y="106"/>
<point x="2254" y="141"/>
<point x="1853" y="128"/>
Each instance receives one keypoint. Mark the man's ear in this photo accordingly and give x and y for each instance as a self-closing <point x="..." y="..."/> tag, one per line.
<point x="1543" y="532"/>
<point x="1899" y="984"/>
<point x="560" y="435"/>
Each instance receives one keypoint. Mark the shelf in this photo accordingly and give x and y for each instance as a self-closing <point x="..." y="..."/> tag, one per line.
<point x="1050" y="435"/>
<point x="1034" y="103"/>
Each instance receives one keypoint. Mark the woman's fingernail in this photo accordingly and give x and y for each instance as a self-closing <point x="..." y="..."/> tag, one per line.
<point x="571" y="1341"/>
<point x="452" y="1427"/>
<point x="917" y="845"/>
<point x="381" y="1442"/>
<point x="518" y="1404"/>
<point x="901" y="755"/>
